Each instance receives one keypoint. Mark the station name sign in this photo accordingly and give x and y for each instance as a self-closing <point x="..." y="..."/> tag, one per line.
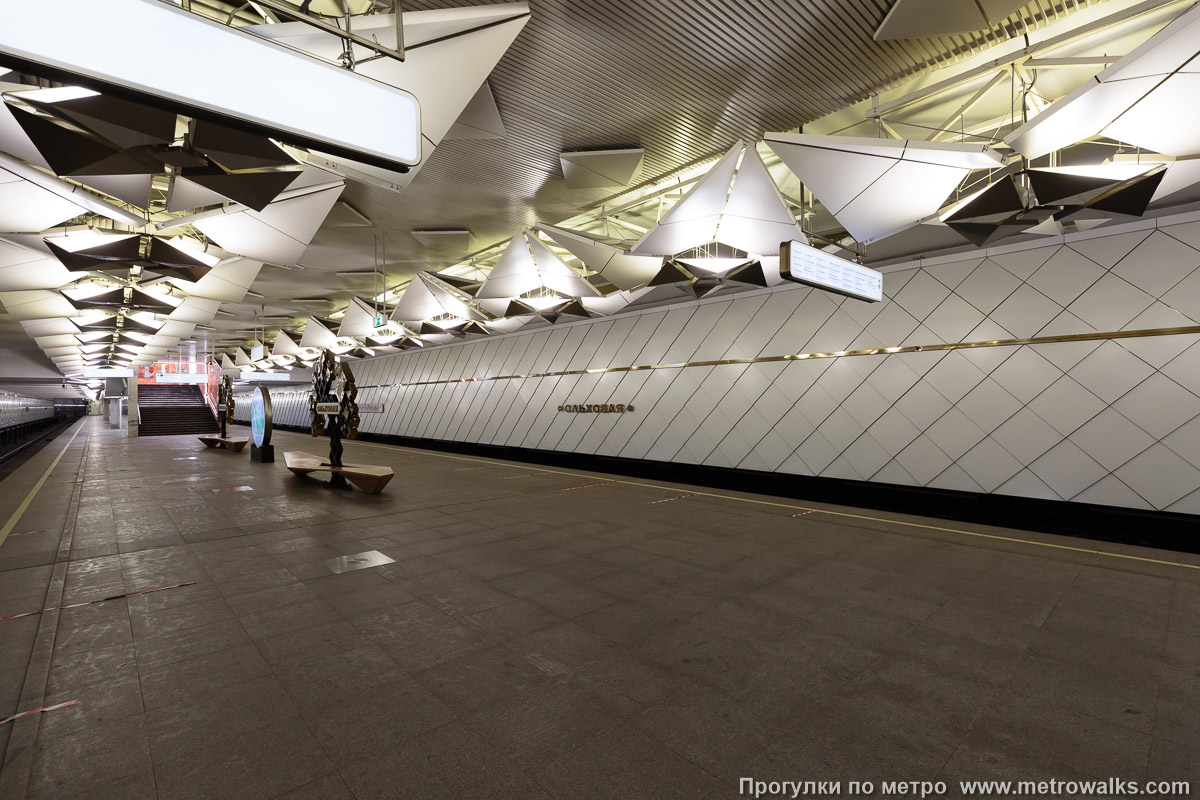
<point x="596" y="408"/>
<point x="802" y="263"/>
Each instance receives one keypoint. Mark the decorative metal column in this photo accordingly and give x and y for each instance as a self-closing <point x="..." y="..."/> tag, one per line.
<point x="332" y="406"/>
<point x="225" y="405"/>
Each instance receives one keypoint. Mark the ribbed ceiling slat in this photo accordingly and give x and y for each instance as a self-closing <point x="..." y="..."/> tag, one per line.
<point x="681" y="79"/>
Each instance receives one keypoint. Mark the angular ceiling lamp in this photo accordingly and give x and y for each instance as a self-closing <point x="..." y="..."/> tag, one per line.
<point x="750" y="216"/>
<point x="878" y="187"/>
<point x="992" y="213"/>
<point x="128" y="297"/>
<point x="316" y="337"/>
<point x="1119" y="188"/>
<point x="448" y="55"/>
<point x="359" y="320"/>
<point x="116" y="146"/>
<point x="426" y="301"/>
<point x="97" y="252"/>
<point x="284" y="351"/>
<point x="359" y="323"/>
<point x="611" y="263"/>
<point x="1147" y="98"/>
<point x="1044" y="201"/>
<point x="530" y="274"/>
<point x="726" y="229"/>
<point x="601" y="169"/>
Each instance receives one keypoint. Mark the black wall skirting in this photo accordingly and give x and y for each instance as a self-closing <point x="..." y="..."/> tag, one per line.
<point x="1161" y="529"/>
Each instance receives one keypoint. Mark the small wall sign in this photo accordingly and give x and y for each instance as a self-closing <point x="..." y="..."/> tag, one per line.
<point x="596" y="408"/>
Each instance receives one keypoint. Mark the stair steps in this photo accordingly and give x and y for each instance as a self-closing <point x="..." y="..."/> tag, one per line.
<point x="174" y="410"/>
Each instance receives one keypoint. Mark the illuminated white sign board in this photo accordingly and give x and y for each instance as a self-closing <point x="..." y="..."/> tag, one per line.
<point x="802" y="263"/>
<point x="180" y="377"/>
<point x="107" y="372"/>
<point x="212" y="70"/>
<point x="265" y="377"/>
<point x="257" y="353"/>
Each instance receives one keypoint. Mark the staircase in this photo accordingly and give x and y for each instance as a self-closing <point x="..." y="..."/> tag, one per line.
<point x="168" y="410"/>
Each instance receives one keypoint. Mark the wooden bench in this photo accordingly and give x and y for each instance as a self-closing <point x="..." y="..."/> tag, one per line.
<point x="368" y="478"/>
<point x="234" y="443"/>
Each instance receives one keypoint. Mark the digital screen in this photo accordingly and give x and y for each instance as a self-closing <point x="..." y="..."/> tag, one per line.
<point x="805" y="264"/>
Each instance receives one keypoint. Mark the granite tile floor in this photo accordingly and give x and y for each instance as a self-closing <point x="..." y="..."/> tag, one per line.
<point x="546" y="633"/>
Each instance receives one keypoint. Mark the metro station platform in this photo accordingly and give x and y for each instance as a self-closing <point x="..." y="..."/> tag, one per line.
<point x="549" y="633"/>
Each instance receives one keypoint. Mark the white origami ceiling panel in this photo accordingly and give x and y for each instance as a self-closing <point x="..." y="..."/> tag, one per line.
<point x="36" y="304"/>
<point x="27" y="207"/>
<point x="555" y="274"/>
<point x="599" y="169"/>
<point x="752" y="216"/>
<point x="198" y="310"/>
<point x="1146" y="98"/>
<point x="179" y="329"/>
<point x="358" y="321"/>
<point x="227" y="281"/>
<point x="13" y="138"/>
<point x="132" y="189"/>
<point x="756" y="218"/>
<point x="184" y="195"/>
<point x="693" y="220"/>
<point x="316" y="335"/>
<point x="279" y="234"/>
<point x="284" y="346"/>
<point x="69" y="192"/>
<point x="21" y="268"/>
<point x="424" y="299"/>
<point x="513" y="274"/>
<point x="615" y="265"/>
<point x="479" y="120"/>
<point x="54" y="326"/>
<point x="449" y="53"/>
<point x="878" y="187"/>
<point x="1180" y="176"/>
<point x="527" y="266"/>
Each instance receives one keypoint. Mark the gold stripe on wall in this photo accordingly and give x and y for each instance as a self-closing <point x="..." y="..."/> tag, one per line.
<point x="875" y="351"/>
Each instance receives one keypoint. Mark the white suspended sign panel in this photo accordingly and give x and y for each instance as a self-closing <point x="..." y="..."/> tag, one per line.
<point x="180" y="377"/>
<point x="266" y="377"/>
<point x="805" y="264"/>
<point x="108" y="372"/>
<point x="215" y="72"/>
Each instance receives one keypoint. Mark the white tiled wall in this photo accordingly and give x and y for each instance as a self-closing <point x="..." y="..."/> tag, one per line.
<point x="1114" y="422"/>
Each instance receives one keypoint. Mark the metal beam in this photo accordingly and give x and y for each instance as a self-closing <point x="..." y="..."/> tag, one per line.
<point x="1078" y="61"/>
<point x="966" y="107"/>
<point x="282" y="8"/>
<point x="1017" y="55"/>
